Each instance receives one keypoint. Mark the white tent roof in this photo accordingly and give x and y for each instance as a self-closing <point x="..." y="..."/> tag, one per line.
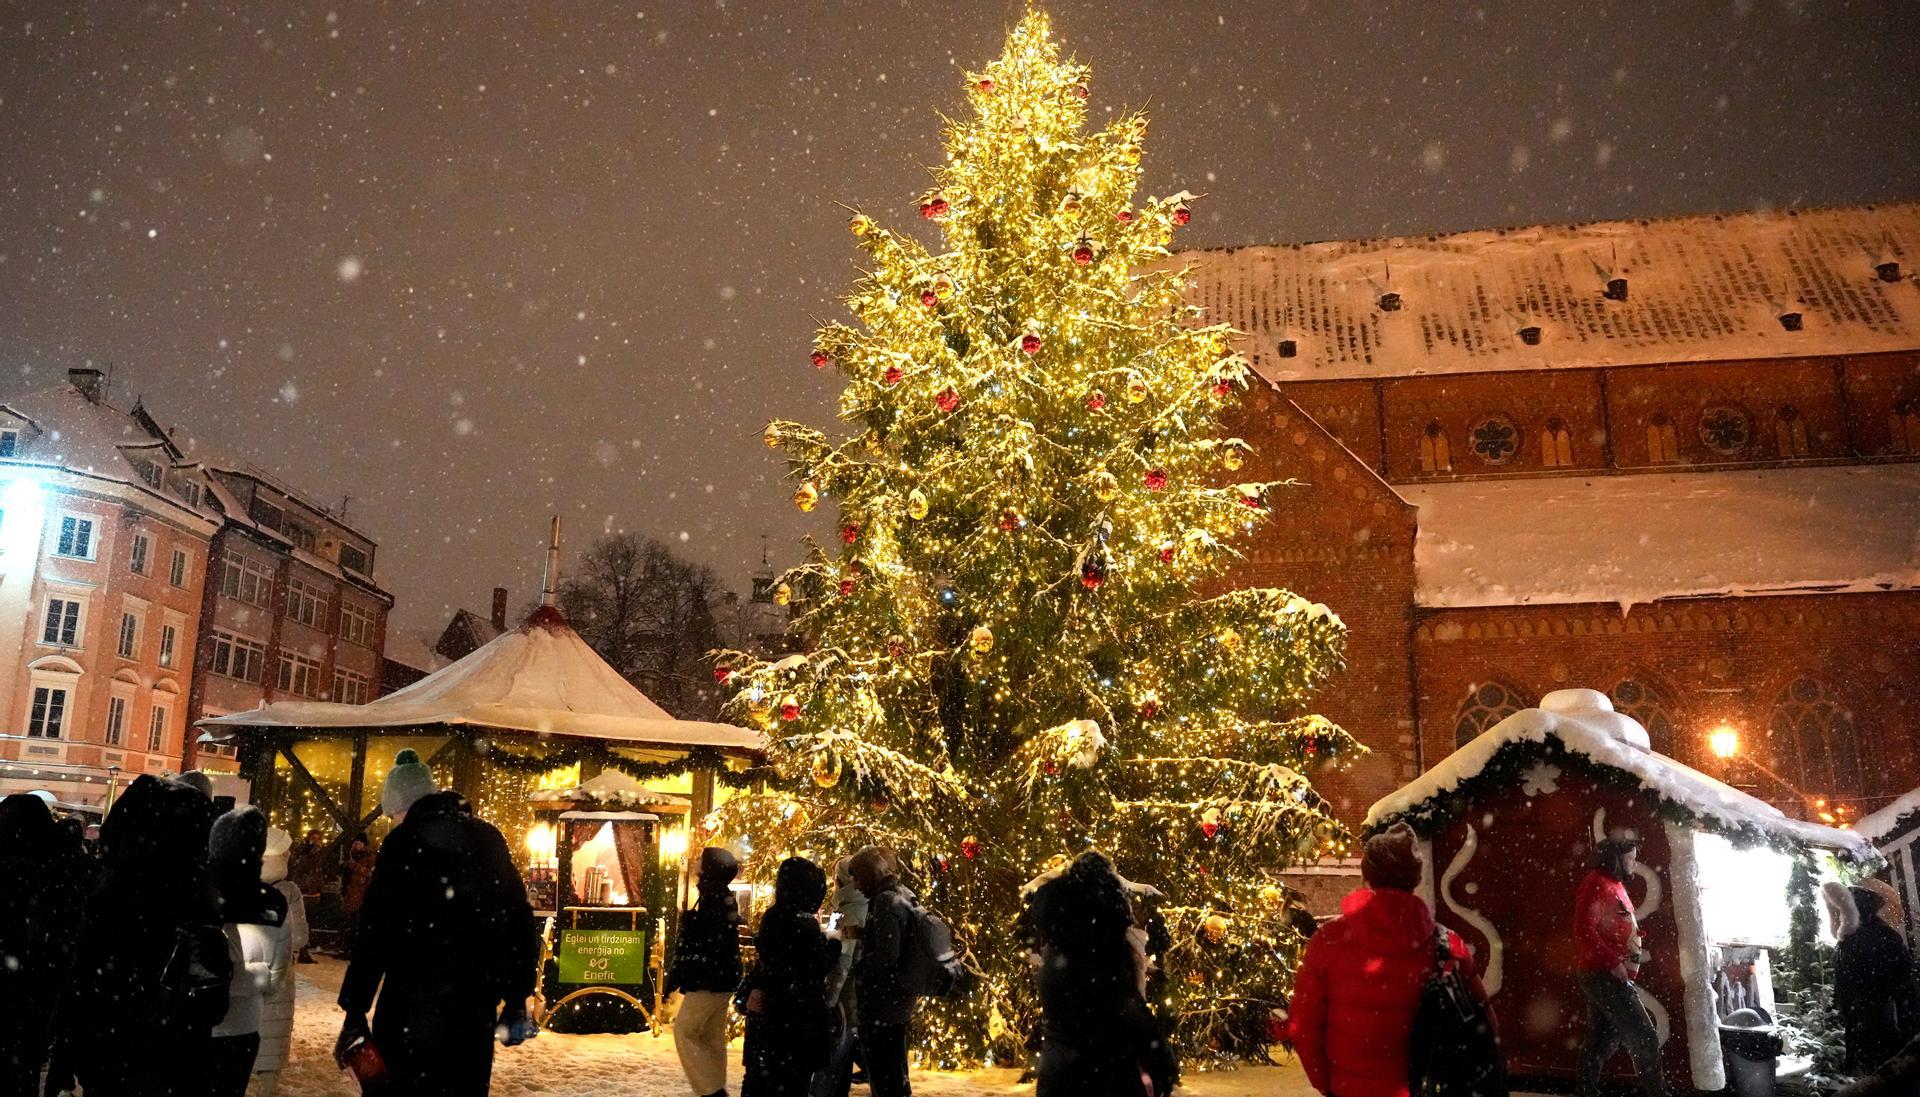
<point x="540" y="678"/>
<point x="1585" y="723"/>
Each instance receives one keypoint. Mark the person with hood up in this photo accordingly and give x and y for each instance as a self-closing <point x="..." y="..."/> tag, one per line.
<point x="1360" y="981"/>
<point x="30" y="931"/>
<point x="254" y="918"/>
<point x="883" y="1002"/>
<point x="446" y="937"/>
<point x="1872" y="978"/>
<point x="705" y="971"/>
<point x="1098" y="1035"/>
<point x="786" y="993"/>
<point x="276" y="1008"/>
<point x="1606" y="939"/>
<point x="150" y="966"/>
<point x="850" y="909"/>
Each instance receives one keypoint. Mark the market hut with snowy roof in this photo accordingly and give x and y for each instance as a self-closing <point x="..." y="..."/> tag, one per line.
<point x="1894" y="830"/>
<point x="1508" y="823"/>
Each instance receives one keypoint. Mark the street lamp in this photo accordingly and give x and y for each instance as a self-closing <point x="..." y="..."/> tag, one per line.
<point x="1724" y="741"/>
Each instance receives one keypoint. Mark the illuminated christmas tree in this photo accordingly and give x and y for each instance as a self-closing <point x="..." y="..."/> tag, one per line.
<point x="1021" y="645"/>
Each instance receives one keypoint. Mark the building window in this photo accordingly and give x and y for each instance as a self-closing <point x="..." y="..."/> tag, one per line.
<point x="1556" y="444"/>
<point x="187" y="490"/>
<point x="49" y="712"/>
<point x="299" y="674"/>
<point x="157" y="729"/>
<point x="1790" y="432"/>
<point x="238" y="657"/>
<point x="1663" y="445"/>
<point x="1495" y="439"/>
<point x="350" y="688"/>
<point x="356" y="623"/>
<point x="177" y="571"/>
<point x="1726" y="430"/>
<point x="247" y="581"/>
<point x="1637" y="699"/>
<point x="1434" y="456"/>
<point x="169" y="644"/>
<point x="1487" y="705"/>
<point x="141" y="556"/>
<point x="354" y="558"/>
<point x="9" y="443"/>
<point x="116" y="720"/>
<point x="152" y="473"/>
<point x="306" y="603"/>
<point x="63" y="623"/>
<point x="129" y="646"/>
<point x="1813" y="740"/>
<point x="302" y="535"/>
<point x="266" y="514"/>
<point x="1905" y="424"/>
<point x="76" y="537"/>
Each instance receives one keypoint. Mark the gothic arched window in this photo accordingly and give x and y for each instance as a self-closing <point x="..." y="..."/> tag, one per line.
<point x="1556" y="444"/>
<point x="1637" y="698"/>
<point x="1813" y="740"/>
<point x="1790" y="432"/>
<point x="1434" y="456"/>
<point x="1905" y="426"/>
<point x="1663" y="444"/>
<point x="1486" y="705"/>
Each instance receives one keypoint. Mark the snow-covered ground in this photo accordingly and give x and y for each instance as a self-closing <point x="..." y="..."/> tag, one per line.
<point x="557" y="1065"/>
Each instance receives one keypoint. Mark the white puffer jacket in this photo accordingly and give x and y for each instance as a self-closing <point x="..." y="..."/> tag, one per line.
<point x="262" y="961"/>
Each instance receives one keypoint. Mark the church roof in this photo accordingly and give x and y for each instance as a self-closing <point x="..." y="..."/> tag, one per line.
<point x="1692" y="289"/>
<point x="540" y="678"/>
<point x="1633" y="539"/>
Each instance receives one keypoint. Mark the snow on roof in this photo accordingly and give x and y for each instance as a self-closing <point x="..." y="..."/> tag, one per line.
<point x="1584" y="722"/>
<point x="1882" y="824"/>
<point x="412" y="647"/>
<point x="95" y="439"/>
<point x="540" y="678"/>
<point x="1635" y="538"/>
<point x="1696" y="289"/>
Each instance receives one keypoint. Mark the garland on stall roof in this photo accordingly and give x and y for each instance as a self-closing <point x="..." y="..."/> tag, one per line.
<point x="1507" y="767"/>
<point x="704" y="759"/>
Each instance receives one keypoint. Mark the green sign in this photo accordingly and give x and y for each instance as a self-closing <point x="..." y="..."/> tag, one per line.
<point x="603" y="956"/>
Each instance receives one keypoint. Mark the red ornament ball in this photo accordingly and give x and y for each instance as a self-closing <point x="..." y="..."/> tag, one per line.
<point x="929" y="298"/>
<point x="819" y="359"/>
<point x="1096" y="400"/>
<point x="1083" y="254"/>
<point x="894" y="375"/>
<point x="1181" y="214"/>
<point x="1092" y="575"/>
<point x="1081" y="91"/>
<point x="1053" y="769"/>
<point x="1223" y="388"/>
<point x="986" y="84"/>
<point x="790" y="710"/>
<point x="1149" y="709"/>
<point x="1030" y="343"/>
<point x="1251" y="502"/>
<point x="722" y="673"/>
<point x="849" y="533"/>
<point x="1156" y="479"/>
<point x="1209" y="829"/>
<point x="970" y="847"/>
<point x="1276" y="1026"/>
<point x="846" y="587"/>
<point x="947" y="401"/>
<point x="934" y="207"/>
<point x="1124" y="216"/>
<point x="1166" y="553"/>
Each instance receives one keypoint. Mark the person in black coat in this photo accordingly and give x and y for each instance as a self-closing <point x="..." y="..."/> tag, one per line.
<point x="1097" y="1034"/>
<point x="705" y="971"/>
<point x="150" y="959"/>
<point x="788" y="1031"/>
<point x="1872" y="979"/>
<point x="447" y="928"/>
<point x="30" y="924"/>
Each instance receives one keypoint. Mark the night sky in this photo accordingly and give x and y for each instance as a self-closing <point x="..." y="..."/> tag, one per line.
<point x="471" y="264"/>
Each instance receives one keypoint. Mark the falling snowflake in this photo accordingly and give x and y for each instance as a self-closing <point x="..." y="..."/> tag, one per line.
<point x="1541" y="780"/>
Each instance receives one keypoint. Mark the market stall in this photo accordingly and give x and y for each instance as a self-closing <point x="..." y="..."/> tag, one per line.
<point x="1507" y="824"/>
<point x="1894" y="830"/>
<point x="576" y="767"/>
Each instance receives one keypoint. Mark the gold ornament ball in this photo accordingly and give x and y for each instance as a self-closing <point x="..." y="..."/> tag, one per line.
<point x="1233" y="458"/>
<point x="805" y="496"/>
<point x="1215" y="927"/>
<point x="1136" y="390"/>
<point x="860" y="224"/>
<point x="1105" y="485"/>
<point x="982" y="639"/>
<point x="916" y="504"/>
<point x="826" y="770"/>
<point x="1229" y="639"/>
<point x="943" y="286"/>
<point x="782" y="594"/>
<point x="772" y="437"/>
<point x="1272" y="896"/>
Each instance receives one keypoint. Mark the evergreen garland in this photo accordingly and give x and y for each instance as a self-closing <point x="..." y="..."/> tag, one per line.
<point x="702" y="759"/>
<point x="1803" y="984"/>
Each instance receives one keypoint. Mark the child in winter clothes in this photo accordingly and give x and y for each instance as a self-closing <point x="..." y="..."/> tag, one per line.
<point x="786" y="994"/>
<point x="276" y="1007"/>
<point x="1872" y="978"/>
<point x="706" y="970"/>
<point x="254" y="918"/>
<point x="1359" y="984"/>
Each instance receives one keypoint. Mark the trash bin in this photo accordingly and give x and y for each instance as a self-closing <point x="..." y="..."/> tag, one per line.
<point x="1751" y="1045"/>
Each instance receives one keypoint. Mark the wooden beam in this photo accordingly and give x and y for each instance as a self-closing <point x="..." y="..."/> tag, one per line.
<point x="319" y="791"/>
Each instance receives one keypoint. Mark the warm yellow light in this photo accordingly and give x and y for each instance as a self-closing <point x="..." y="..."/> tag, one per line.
<point x="540" y="841"/>
<point x="1724" y="741"/>
<point x="673" y="844"/>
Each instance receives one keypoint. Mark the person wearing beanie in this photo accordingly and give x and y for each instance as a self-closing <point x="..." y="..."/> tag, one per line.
<point x="1606" y="939"/>
<point x="446" y="938"/>
<point x="705" y="971"/>
<point x="254" y="919"/>
<point x="1873" y="985"/>
<point x="276" y="1006"/>
<point x="1359" y="984"/>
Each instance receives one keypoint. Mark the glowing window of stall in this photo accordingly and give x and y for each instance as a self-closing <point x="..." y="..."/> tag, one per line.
<point x="1743" y="891"/>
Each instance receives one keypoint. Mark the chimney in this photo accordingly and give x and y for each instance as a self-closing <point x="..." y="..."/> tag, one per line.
<point x="500" y="609"/>
<point x="88" y="382"/>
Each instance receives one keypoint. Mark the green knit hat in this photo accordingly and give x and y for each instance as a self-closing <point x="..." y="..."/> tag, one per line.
<point x="407" y="781"/>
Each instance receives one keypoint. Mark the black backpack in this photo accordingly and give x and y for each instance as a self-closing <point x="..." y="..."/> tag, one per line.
<point x="194" y="984"/>
<point x="1454" y="1051"/>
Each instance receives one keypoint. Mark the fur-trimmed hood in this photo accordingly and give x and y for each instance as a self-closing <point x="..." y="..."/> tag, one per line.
<point x="1843" y="914"/>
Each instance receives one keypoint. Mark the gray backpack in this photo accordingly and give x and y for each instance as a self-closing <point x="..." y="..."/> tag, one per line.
<point x="929" y="965"/>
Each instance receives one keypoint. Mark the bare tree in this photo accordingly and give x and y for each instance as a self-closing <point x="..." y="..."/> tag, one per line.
<point x="652" y="616"/>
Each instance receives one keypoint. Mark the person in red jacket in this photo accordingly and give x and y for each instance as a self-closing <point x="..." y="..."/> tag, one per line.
<point x="1359" y="985"/>
<point x="1606" y="938"/>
